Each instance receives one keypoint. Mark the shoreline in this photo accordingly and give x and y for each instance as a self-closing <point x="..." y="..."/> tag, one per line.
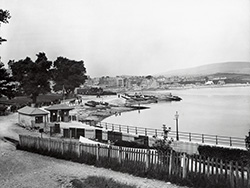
<point x="117" y="105"/>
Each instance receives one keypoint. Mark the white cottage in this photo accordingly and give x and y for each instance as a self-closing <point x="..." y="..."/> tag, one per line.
<point x="32" y="117"/>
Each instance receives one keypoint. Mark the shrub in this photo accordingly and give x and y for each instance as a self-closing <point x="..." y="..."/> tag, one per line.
<point x="225" y="153"/>
<point x="99" y="182"/>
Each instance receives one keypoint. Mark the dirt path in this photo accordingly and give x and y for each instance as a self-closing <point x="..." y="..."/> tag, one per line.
<point x="24" y="169"/>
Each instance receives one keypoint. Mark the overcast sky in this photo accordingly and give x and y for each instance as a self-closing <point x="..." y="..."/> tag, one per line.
<point x="128" y="37"/>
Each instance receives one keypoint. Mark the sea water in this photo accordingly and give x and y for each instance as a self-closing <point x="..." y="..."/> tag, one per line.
<point x="221" y="111"/>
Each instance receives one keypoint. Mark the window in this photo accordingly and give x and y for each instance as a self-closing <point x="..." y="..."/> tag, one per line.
<point x="39" y="119"/>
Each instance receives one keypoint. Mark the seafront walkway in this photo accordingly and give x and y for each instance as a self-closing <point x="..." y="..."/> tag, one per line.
<point x="206" y="139"/>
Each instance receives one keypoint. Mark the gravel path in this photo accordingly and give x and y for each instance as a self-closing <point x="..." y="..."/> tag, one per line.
<point x="20" y="169"/>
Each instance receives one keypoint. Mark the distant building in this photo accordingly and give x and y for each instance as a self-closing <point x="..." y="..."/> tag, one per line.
<point x="221" y="82"/>
<point x="209" y="82"/>
<point x="120" y="82"/>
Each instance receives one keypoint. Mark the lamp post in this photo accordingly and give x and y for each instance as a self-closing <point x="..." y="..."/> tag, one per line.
<point x="176" y="121"/>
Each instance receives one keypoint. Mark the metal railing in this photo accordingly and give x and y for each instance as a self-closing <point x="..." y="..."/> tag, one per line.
<point x="183" y="136"/>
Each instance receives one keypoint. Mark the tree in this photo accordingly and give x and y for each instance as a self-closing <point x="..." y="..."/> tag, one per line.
<point x="149" y="77"/>
<point x="33" y="77"/>
<point x="68" y="74"/>
<point x="7" y="86"/>
<point x="4" y="17"/>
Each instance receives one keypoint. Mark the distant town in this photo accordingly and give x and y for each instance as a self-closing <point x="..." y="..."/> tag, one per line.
<point x="137" y="83"/>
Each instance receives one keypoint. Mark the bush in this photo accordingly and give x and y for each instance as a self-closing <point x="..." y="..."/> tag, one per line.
<point x="129" y="144"/>
<point x="225" y="153"/>
<point x="99" y="182"/>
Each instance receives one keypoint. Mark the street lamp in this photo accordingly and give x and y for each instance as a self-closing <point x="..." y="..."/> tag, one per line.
<point x="176" y="121"/>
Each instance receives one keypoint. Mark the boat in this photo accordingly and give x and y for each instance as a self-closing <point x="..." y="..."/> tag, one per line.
<point x="139" y="98"/>
<point x="91" y="103"/>
<point x="171" y="97"/>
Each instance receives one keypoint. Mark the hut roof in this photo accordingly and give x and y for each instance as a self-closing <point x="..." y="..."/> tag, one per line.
<point x="32" y="111"/>
<point x="59" y="107"/>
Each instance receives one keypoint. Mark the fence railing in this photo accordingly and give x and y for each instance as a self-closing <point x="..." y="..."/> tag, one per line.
<point x="183" y="136"/>
<point x="171" y="164"/>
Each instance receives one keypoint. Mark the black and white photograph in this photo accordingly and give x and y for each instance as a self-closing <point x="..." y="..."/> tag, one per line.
<point x="125" y="93"/>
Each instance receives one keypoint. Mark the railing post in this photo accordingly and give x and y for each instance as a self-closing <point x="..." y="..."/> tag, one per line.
<point x="120" y="130"/>
<point x="106" y="126"/>
<point x="135" y="130"/>
<point x="112" y="127"/>
<point x="156" y="132"/>
<point x="190" y="137"/>
<point x="145" y="131"/>
<point x="127" y="129"/>
<point x="202" y="138"/>
<point x="230" y="139"/>
<point x="216" y="139"/>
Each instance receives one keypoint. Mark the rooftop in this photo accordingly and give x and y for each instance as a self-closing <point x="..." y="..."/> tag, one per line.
<point x="27" y="110"/>
<point x="59" y="107"/>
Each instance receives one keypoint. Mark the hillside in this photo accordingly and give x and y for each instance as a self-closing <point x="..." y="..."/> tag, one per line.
<point x="228" y="67"/>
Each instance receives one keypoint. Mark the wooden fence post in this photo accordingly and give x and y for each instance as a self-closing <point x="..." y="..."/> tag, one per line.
<point x="170" y="162"/>
<point x="208" y="166"/>
<point x="97" y="152"/>
<point x="49" y="144"/>
<point x="231" y="174"/>
<point x="147" y="159"/>
<point x="62" y="147"/>
<point x="39" y="140"/>
<point x="120" y="155"/>
<point x="242" y="173"/>
<point x="184" y="166"/>
<point x="109" y="150"/>
<point x="217" y="170"/>
<point x="237" y="175"/>
<point x="248" y="175"/>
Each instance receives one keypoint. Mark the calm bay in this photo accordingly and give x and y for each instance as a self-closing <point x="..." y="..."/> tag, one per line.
<point x="223" y="111"/>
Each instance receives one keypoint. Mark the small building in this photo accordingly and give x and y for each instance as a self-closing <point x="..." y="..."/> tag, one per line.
<point x="209" y="82"/>
<point x="32" y="117"/>
<point x="59" y="113"/>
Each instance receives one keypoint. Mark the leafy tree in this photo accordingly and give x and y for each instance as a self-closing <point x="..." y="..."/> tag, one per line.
<point x="68" y="74"/>
<point x="4" y="17"/>
<point x="149" y="77"/>
<point x="7" y="86"/>
<point x="33" y="77"/>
